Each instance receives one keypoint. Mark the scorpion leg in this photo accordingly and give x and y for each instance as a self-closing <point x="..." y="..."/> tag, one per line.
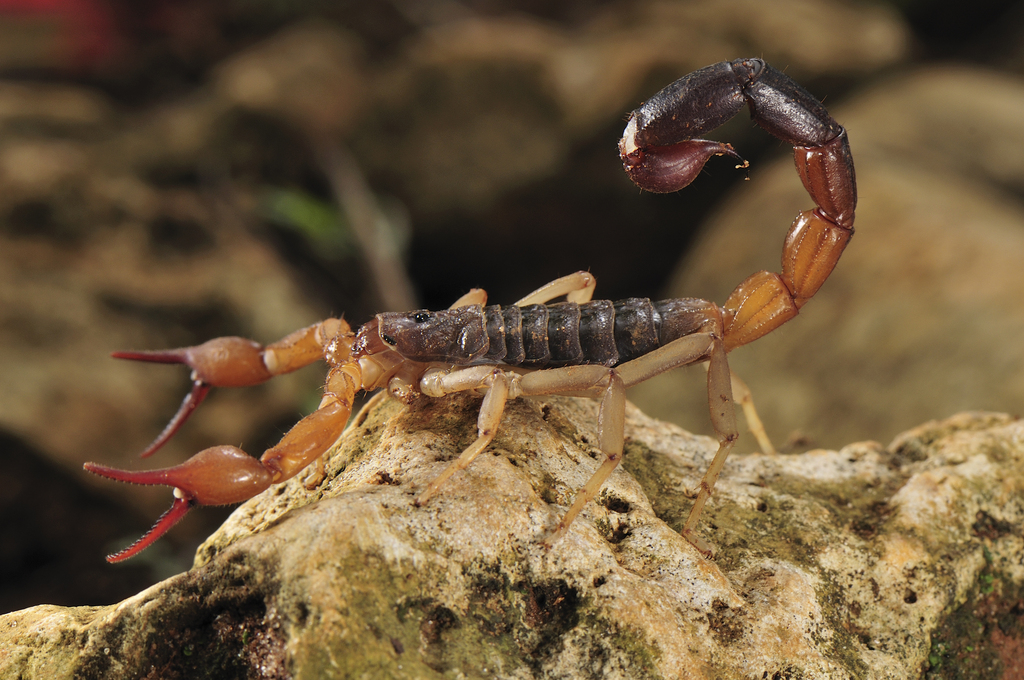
<point x="497" y="383"/>
<point x="723" y="419"/>
<point x="742" y="396"/>
<point x="578" y="287"/>
<point x="687" y="350"/>
<point x="222" y="475"/>
<point x="610" y="426"/>
<point x="475" y="296"/>
<point x="609" y="384"/>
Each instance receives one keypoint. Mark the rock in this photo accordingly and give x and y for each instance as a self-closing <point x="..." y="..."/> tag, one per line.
<point x="869" y="561"/>
<point x="916" y="320"/>
<point x="138" y="218"/>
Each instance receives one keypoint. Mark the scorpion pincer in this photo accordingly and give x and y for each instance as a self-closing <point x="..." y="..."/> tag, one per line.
<point x="579" y="346"/>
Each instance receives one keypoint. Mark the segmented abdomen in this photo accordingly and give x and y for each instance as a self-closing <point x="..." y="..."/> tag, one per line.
<point x="543" y="336"/>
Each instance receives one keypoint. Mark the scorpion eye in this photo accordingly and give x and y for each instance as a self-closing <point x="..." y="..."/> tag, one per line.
<point x="388" y="339"/>
<point x="421" y="317"/>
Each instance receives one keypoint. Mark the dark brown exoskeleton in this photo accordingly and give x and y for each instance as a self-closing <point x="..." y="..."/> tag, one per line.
<point x="580" y="347"/>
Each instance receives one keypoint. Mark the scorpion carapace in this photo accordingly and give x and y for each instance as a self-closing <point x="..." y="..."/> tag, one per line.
<point x="579" y="347"/>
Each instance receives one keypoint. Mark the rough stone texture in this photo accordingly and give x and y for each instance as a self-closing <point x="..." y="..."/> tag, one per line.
<point x="914" y="322"/>
<point x="869" y="561"/>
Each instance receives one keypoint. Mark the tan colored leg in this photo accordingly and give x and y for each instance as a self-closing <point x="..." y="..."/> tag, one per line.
<point x="741" y="394"/>
<point x="578" y="287"/>
<point x="611" y="436"/>
<point x="497" y="385"/>
<point x="476" y="296"/>
<point x="723" y="419"/>
<point x="682" y="352"/>
<point x="610" y="385"/>
<point x="577" y="381"/>
<point x="317" y="476"/>
<point x="687" y="350"/>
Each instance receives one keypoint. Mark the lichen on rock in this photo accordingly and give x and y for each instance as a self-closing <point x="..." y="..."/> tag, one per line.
<point x="830" y="564"/>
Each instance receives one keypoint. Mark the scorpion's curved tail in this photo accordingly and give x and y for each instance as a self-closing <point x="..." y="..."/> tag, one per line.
<point x="660" y="154"/>
<point x="225" y="474"/>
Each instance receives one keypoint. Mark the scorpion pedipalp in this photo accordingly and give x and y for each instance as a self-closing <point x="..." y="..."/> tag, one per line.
<point x="221" y="362"/>
<point x="189" y="404"/>
<point x="174" y="514"/>
<point x="219" y="475"/>
<point x="222" y="475"/>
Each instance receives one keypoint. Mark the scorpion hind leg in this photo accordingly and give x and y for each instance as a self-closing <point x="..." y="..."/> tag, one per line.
<point x="723" y="420"/>
<point x="745" y="399"/>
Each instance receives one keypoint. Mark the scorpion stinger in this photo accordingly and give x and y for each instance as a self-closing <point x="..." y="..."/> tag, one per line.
<point x="583" y="347"/>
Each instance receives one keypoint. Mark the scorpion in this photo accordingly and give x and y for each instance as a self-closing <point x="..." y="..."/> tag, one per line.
<point x="580" y="346"/>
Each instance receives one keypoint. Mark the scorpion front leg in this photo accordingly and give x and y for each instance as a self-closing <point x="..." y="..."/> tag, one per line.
<point x="223" y="475"/>
<point x="497" y="384"/>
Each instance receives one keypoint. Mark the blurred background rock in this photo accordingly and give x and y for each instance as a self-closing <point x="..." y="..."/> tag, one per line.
<point x="174" y="171"/>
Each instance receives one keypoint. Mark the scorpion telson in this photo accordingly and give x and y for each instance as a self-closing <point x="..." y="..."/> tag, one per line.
<point x="579" y="347"/>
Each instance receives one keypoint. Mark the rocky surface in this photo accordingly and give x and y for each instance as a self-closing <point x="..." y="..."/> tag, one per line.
<point x="870" y="561"/>
<point x="145" y="224"/>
